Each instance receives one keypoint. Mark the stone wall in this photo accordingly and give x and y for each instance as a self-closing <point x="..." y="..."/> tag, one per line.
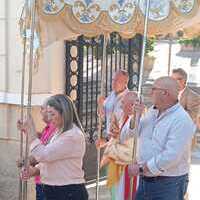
<point x="9" y="148"/>
<point x="48" y="78"/>
<point x="9" y="179"/>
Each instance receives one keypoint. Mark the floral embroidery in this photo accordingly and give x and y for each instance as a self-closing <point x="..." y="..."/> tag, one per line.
<point x="184" y="6"/>
<point x="122" y="11"/>
<point x="159" y="10"/>
<point x="86" y="11"/>
<point x="53" y="6"/>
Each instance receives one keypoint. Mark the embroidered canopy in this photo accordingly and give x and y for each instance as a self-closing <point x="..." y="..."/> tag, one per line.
<point x="66" y="19"/>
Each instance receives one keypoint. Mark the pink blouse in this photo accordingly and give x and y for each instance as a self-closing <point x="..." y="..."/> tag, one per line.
<point x="46" y="135"/>
<point x="61" y="160"/>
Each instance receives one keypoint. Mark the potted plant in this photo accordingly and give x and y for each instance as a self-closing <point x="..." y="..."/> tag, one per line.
<point x="192" y="44"/>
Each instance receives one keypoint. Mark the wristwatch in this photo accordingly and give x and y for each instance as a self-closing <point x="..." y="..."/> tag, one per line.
<point x="141" y="170"/>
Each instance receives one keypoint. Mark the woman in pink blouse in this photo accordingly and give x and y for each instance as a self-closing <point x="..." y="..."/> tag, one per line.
<point x="60" y="161"/>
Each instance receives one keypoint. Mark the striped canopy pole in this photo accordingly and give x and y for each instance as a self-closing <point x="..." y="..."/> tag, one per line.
<point x="24" y="36"/>
<point x="31" y="63"/>
<point x="147" y="8"/>
<point x="103" y="74"/>
<point x="170" y="41"/>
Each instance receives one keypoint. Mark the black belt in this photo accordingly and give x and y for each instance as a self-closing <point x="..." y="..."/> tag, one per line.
<point x="158" y="178"/>
<point x="155" y="178"/>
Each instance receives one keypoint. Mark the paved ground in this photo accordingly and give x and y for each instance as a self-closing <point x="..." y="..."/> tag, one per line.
<point x="104" y="193"/>
<point x="193" y="188"/>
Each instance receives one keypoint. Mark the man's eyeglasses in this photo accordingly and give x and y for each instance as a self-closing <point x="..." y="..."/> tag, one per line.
<point x="179" y="79"/>
<point x="157" y="88"/>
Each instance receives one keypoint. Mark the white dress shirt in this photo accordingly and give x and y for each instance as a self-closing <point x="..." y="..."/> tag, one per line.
<point x="60" y="161"/>
<point x="164" y="141"/>
<point x="180" y="94"/>
<point x="112" y="104"/>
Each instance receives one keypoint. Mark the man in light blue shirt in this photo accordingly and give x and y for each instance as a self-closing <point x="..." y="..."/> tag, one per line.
<point x="106" y="107"/>
<point x="164" y="141"/>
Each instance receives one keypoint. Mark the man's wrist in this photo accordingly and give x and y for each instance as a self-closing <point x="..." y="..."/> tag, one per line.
<point x="32" y="137"/>
<point x="132" y="123"/>
<point x="141" y="170"/>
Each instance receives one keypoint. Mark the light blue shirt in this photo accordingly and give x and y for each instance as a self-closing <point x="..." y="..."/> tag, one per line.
<point x="164" y="141"/>
<point x="113" y="105"/>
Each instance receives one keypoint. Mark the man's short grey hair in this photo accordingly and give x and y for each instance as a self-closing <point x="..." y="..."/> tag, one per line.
<point x="170" y="84"/>
<point x="181" y="72"/>
<point x="123" y="73"/>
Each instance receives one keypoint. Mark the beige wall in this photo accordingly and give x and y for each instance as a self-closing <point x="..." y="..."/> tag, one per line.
<point x="51" y="71"/>
<point x="9" y="173"/>
<point x="51" y="63"/>
<point x="48" y="79"/>
<point x="9" y="148"/>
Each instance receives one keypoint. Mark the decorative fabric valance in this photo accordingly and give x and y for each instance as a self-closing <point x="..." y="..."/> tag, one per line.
<point x="67" y="19"/>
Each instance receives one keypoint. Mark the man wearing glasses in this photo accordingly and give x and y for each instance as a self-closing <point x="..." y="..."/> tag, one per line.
<point x="189" y="99"/>
<point x="164" y="139"/>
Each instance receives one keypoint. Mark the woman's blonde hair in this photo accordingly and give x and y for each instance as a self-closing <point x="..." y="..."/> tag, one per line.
<point x="65" y="106"/>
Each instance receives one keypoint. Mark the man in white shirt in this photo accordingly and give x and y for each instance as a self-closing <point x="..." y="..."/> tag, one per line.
<point x="165" y="133"/>
<point x="106" y="106"/>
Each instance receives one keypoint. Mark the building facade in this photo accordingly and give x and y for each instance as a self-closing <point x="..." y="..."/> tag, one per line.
<point x="48" y="78"/>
